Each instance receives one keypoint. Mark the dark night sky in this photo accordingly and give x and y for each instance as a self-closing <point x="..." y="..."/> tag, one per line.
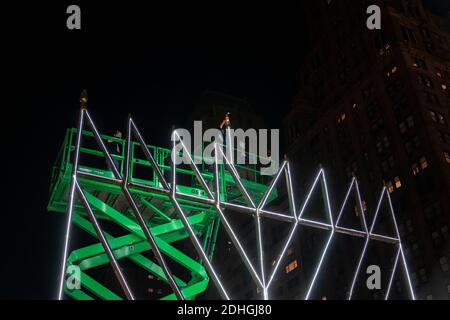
<point x="153" y="62"/>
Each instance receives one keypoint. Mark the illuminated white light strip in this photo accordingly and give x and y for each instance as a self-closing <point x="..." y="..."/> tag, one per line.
<point x="363" y="214"/>
<point x="288" y="242"/>
<point x="152" y="159"/>
<point x="296" y="216"/>
<point x="345" y="201"/>
<point x="131" y="202"/>
<point x="268" y="213"/>
<point x="328" y="198"/>
<point x="377" y="211"/>
<point x="261" y="254"/>
<point x="237" y="179"/>
<point x="66" y="239"/>
<point x="405" y="265"/>
<point x="193" y="165"/>
<point x="192" y="235"/>
<point x="230" y="145"/>
<point x="234" y="238"/>
<point x="70" y="208"/>
<point x="216" y="177"/>
<point x="290" y="191"/>
<point x="330" y="215"/>
<point x="103" y="147"/>
<point x="363" y="233"/>
<point x="391" y="278"/>
<point x="281" y="255"/>
<point x="196" y="198"/>
<point x="309" y="194"/>
<point x="237" y="206"/>
<point x="324" y="252"/>
<point x="106" y="247"/>
<point x="411" y="290"/>
<point x="385" y="237"/>
<point x="127" y="153"/>
<point x="318" y="223"/>
<point x="271" y="186"/>
<point x="259" y="235"/>
<point x="355" y="276"/>
<point x="200" y="250"/>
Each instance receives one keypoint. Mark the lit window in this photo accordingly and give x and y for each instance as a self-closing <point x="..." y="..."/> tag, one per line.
<point x="419" y="63"/>
<point x="150" y="290"/>
<point x="354" y="106"/>
<point x="341" y="117"/>
<point x="364" y="205"/>
<point x="444" y="87"/>
<point x="433" y="116"/>
<point x="390" y="187"/>
<point x="423" y="163"/>
<point x="291" y="266"/>
<point x="447" y="157"/>
<point x="356" y="211"/>
<point x="415" y="169"/>
<point x="437" y="117"/>
<point x="397" y="182"/>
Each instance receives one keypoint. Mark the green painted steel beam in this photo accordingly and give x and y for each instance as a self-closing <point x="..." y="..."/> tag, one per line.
<point x="139" y="242"/>
<point x="167" y="230"/>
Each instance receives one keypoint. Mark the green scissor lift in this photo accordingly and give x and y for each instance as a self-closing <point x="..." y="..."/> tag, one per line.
<point x="108" y="205"/>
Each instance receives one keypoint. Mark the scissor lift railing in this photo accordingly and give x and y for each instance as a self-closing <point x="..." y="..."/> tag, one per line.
<point x="105" y="198"/>
<point x="159" y="209"/>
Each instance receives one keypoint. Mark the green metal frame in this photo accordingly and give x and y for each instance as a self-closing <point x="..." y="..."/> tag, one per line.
<point x="165" y="227"/>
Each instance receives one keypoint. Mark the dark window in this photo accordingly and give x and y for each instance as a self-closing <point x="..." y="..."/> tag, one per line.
<point x="425" y="80"/>
<point x="444" y="137"/>
<point x="420" y="63"/>
<point x="431" y="98"/>
<point x="437" y="117"/>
